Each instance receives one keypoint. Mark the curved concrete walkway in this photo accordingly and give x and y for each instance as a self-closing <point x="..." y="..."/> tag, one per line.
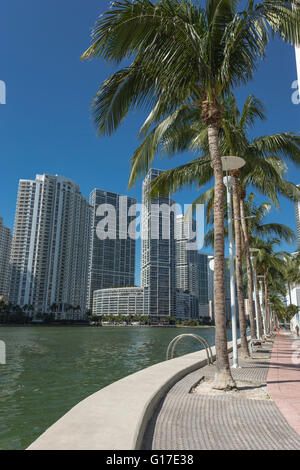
<point x="189" y="421"/>
<point x="284" y="378"/>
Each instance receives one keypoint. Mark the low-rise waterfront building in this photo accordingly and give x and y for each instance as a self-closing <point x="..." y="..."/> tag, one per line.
<point x="121" y="301"/>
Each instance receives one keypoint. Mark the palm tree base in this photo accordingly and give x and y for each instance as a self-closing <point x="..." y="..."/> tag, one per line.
<point x="224" y="381"/>
<point x="245" y="355"/>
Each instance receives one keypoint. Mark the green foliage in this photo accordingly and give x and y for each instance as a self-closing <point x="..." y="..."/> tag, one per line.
<point x="291" y="310"/>
<point x="181" y="54"/>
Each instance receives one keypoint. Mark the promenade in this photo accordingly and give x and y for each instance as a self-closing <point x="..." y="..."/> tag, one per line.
<point x="264" y="414"/>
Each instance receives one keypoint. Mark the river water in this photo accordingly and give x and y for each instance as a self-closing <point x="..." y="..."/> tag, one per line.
<point x="50" y="369"/>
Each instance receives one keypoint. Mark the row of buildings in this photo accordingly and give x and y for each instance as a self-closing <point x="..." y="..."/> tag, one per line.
<point x="68" y="253"/>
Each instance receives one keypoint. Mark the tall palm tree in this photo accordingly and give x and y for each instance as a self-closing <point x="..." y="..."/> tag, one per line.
<point x="184" y="55"/>
<point x="263" y="171"/>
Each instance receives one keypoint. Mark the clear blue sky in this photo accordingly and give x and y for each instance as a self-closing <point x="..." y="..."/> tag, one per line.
<point x="45" y="127"/>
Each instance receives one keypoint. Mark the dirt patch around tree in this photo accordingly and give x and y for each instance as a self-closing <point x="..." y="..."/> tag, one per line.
<point x="244" y="390"/>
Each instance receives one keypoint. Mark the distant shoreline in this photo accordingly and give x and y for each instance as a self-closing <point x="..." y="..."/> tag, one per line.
<point x="102" y="326"/>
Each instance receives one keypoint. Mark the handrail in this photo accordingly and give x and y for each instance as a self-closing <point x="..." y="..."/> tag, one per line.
<point x="178" y="338"/>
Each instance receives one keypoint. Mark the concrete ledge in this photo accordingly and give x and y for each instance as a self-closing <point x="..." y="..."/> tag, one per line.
<point x="116" y="417"/>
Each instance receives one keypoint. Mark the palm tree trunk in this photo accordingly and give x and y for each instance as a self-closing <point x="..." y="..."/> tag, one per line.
<point x="267" y="314"/>
<point x="249" y="269"/>
<point x="223" y="379"/>
<point x="239" y="270"/>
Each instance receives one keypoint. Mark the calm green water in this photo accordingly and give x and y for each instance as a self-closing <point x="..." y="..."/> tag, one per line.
<point x="50" y="369"/>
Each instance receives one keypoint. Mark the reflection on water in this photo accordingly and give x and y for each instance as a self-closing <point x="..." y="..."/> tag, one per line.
<point x="50" y="369"/>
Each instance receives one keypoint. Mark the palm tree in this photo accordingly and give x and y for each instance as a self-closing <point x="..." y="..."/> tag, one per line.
<point x="263" y="171"/>
<point x="186" y="56"/>
<point x="292" y="274"/>
<point x="278" y="306"/>
<point x="256" y="229"/>
<point x="268" y="262"/>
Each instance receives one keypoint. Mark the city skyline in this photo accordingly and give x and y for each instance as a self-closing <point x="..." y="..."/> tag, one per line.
<point x="174" y="274"/>
<point x="56" y="228"/>
<point x="64" y="140"/>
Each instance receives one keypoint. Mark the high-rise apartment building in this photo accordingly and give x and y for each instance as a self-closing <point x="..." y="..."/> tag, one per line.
<point x="191" y="266"/>
<point x="111" y="259"/>
<point x="158" y="251"/>
<point x="5" y="249"/>
<point x="297" y="214"/>
<point x="50" y="245"/>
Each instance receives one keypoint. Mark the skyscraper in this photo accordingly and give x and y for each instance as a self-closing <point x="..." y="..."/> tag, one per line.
<point x="5" y="249"/>
<point x="191" y="266"/>
<point x="50" y="245"/>
<point x="158" y="251"/>
<point x="297" y="213"/>
<point x="111" y="260"/>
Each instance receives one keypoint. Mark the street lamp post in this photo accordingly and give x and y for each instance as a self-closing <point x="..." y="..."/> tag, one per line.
<point x="231" y="163"/>
<point x="261" y="302"/>
<point x="254" y="250"/>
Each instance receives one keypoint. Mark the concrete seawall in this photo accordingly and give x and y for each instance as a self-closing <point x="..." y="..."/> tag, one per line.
<point x="116" y="416"/>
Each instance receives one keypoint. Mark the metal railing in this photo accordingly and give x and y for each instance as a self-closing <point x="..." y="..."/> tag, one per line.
<point x="201" y="340"/>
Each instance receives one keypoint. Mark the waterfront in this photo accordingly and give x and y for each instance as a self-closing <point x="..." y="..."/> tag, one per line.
<point x="50" y="369"/>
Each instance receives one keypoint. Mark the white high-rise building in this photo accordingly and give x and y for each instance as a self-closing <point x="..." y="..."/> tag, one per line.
<point x="297" y="214"/>
<point x="5" y="249"/>
<point x="50" y="246"/>
<point x="191" y="266"/>
<point x="158" y="251"/>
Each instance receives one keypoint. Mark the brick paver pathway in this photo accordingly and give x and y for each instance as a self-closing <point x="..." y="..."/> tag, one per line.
<point x="190" y="421"/>
<point x="284" y="378"/>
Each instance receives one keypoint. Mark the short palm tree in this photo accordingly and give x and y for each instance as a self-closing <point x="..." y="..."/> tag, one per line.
<point x="268" y="264"/>
<point x="278" y="306"/>
<point x="292" y="274"/>
<point x="186" y="55"/>
<point x="257" y="228"/>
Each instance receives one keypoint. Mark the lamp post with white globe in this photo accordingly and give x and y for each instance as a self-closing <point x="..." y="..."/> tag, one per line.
<point x="230" y="163"/>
